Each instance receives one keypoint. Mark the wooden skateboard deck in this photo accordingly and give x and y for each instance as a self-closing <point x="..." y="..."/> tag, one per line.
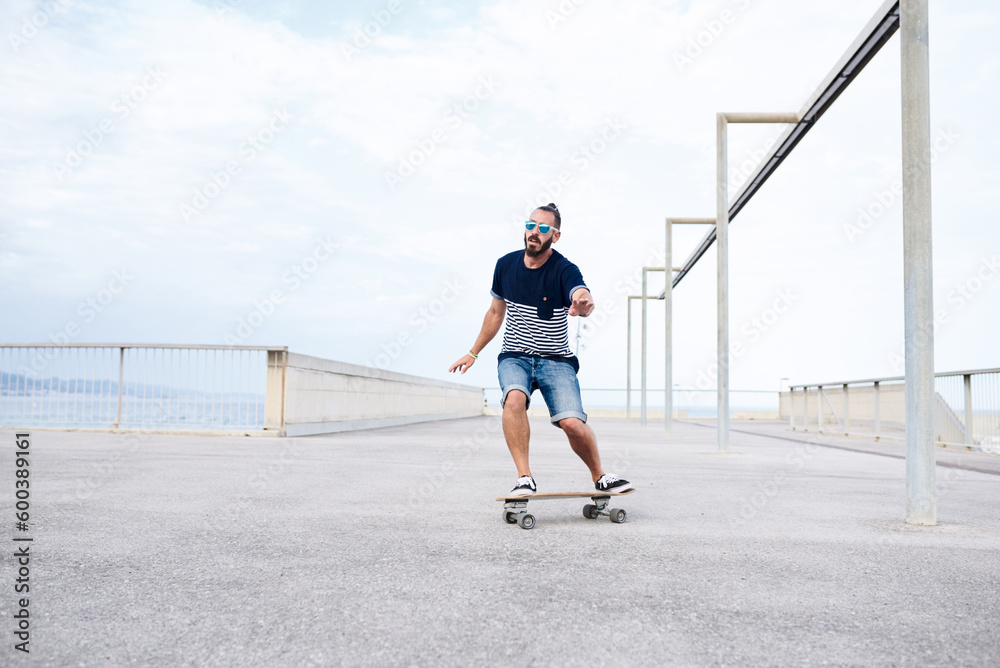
<point x="565" y="495"/>
<point x="515" y="507"/>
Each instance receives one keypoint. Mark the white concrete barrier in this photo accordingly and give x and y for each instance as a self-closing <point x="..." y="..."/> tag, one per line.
<point x="322" y="397"/>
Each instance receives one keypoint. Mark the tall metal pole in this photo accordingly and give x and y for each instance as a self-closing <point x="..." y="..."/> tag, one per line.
<point x="722" y="244"/>
<point x="921" y="502"/>
<point x="668" y="405"/>
<point x="643" y="410"/>
<point x="628" y="363"/>
<point x="668" y="388"/>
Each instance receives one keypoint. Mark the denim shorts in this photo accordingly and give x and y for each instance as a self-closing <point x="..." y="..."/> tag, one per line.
<point x="556" y="380"/>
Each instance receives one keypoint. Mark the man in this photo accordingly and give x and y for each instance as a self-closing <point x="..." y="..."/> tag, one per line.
<point x="536" y="289"/>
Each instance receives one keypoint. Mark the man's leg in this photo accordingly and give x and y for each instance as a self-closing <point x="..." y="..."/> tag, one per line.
<point x="561" y="390"/>
<point x="516" y="385"/>
<point x="516" y="430"/>
<point x="584" y="443"/>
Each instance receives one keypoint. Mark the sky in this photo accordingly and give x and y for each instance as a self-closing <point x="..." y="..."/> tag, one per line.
<point x="340" y="178"/>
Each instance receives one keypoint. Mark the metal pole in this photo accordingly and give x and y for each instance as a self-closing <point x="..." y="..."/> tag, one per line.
<point x="969" y="424"/>
<point x="628" y="363"/>
<point x="642" y="419"/>
<point x="668" y="387"/>
<point x="121" y="368"/>
<point x="921" y="501"/>
<point x="722" y="244"/>
<point x="668" y="392"/>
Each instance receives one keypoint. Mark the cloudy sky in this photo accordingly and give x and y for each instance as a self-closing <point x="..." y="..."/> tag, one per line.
<point x="341" y="177"/>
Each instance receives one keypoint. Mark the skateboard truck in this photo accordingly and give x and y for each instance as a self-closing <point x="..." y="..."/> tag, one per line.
<point x="516" y="512"/>
<point x="600" y="507"/>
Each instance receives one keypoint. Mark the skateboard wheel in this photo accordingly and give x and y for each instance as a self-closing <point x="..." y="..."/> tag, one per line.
<point x="618" y="515"/>
<point x="527" y="521"/>
<point x="509" y="518"/>
<point x="590" y="511"/>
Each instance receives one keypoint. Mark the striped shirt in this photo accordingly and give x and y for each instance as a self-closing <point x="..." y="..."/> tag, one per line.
<point x="538" y="302"/>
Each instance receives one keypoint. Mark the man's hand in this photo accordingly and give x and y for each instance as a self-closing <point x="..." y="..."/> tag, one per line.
<point x="463" y="364"/>
<point x="583" y="303"/>
<point x="491" y="325"/>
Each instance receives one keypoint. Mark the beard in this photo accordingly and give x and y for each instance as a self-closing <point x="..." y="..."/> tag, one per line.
<point x="545" y="246"/>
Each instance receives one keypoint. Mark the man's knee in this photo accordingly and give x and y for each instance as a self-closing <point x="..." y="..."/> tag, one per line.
<point x="516" y="401"/>
<point x="573" y="427"/>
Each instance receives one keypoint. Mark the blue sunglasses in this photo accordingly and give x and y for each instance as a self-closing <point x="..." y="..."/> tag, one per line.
<point x="543" y="228"/>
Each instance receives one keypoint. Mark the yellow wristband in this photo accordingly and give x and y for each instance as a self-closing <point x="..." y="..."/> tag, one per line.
<point x="474" y="355"/>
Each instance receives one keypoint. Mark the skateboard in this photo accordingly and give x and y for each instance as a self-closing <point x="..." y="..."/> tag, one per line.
<point x="515" y="508"/>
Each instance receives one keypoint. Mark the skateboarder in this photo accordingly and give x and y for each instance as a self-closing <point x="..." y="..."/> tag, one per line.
<point x="536" y="289"/>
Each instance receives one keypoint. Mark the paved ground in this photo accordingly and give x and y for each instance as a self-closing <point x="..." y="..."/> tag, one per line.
<point x="176" y="551"/>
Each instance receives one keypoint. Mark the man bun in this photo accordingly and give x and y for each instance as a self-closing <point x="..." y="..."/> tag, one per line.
<point x="554" y="210"/>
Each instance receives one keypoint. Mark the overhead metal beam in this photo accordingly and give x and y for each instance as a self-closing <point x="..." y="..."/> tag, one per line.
<point x="880" y="28"/>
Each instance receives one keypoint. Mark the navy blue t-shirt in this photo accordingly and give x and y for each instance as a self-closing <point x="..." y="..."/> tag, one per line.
<point x="538" y="302"/>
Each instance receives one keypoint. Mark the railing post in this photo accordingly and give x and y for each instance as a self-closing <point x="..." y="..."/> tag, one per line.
<point x="878" y="422"/>
<point x="274" y="393"/>
<point x="121" y="369"/>
<point x="791" y="406"/>
<point x="805" y="408"/>
<point x="847" y="414"/>
<point x="819" y="408"/>
<point x="970" y="438"/>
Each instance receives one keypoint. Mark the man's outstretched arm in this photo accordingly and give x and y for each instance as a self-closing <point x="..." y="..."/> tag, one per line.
<point x="491" y="325"/>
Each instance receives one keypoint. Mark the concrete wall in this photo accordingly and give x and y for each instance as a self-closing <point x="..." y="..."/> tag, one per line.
<point x="322" y="396"/>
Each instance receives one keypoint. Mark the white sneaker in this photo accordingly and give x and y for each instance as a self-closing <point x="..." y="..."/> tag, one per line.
<point x="525" y="486"/>
<point x="609" y="482"/>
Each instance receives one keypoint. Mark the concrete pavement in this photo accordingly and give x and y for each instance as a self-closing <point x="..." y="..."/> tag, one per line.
<point x="386" y="547"/>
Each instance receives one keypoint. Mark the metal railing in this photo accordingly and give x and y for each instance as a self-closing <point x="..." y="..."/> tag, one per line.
<point x="966" y="408"/>
<point x="745" y="404"/>
<point x="131" y="386"/>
